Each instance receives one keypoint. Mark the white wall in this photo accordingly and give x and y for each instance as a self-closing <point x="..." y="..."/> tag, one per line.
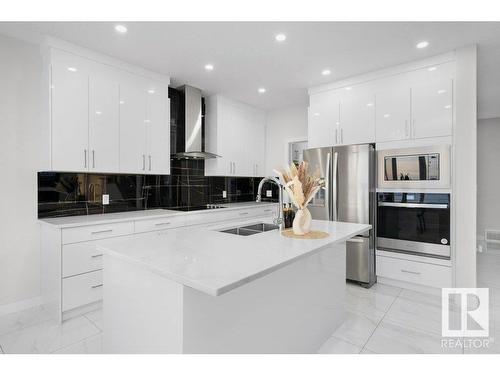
<point x="283" y="125"/>
<point x="488" y="175"/>
<point x="22" y="123"/>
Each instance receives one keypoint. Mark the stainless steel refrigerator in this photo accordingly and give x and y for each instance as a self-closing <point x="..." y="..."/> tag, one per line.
<point x="349" y="195"/>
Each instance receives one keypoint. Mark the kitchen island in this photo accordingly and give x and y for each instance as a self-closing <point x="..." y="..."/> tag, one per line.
<point x="202" y="290"/>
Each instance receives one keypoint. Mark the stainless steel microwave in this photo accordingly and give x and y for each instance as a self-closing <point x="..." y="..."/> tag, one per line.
<point x="409" y="168"/>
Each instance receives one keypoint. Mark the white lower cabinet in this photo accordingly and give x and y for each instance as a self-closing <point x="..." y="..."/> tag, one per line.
<point x="414" y="272"/>
<point x="72" y="262"/>
<point x="81" y="290"/>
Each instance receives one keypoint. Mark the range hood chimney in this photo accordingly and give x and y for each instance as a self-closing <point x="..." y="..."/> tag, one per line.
<point x="190" y="125"/>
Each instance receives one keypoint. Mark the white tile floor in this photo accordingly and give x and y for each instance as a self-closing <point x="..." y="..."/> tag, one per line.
<point x="382" y="319"/>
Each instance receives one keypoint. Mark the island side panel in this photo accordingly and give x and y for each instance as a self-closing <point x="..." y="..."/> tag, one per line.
<point x="292" y="310"/>
<point x="142" y="311"/>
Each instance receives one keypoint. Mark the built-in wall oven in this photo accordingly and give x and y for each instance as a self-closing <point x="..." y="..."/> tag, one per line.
<point x="415" y="223"/>
<point x="414" y="168"/>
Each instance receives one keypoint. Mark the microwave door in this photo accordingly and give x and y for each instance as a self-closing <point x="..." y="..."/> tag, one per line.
<point x="320" y="164"/>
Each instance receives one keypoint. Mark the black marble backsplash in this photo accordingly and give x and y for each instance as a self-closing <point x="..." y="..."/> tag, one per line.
<point x="70" y="194"/>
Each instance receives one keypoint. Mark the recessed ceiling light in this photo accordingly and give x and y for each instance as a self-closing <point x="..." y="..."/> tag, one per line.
<point x="422" y="44"/>
<point x="432" y="68"/>
<point x="387" y="115"/>
<point x="72" y="69"/>
<point x="348" y="88"/>
<point x="151" y="91"/>
<point x="280" y="37"/>
<point x="441" y="91"/>
<point x="261" y="90"/>
<point x="209" y="67"/>
<point x="122" y="101"/>
<point x="316" y="114"/>
<point x="326" y="72"/>
<point x="121" y="29"/>
<point x="369" y="104"/>
<point x="98" y="112"/>
<point x="447" y="106"/>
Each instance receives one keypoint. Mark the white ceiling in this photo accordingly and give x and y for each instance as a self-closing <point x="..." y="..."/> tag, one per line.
<point x="246" y="55"/>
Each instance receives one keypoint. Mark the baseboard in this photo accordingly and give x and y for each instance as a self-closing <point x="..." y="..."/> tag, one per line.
<point x="405" y="285"/>
<point x="24" y="304"/>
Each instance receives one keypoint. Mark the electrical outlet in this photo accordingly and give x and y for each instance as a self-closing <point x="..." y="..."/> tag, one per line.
<point x="224" y="194"/>
<point x="105" y="199"/>
<point x="269" y="193"/>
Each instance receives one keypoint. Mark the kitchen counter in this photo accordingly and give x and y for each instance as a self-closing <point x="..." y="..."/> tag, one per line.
<point x="82" y="220"/>
<point x="214" y="262"/>
<point x="198" y="290"/>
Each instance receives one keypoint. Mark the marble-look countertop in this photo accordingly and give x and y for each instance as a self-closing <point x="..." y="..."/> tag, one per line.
<point x="214" y="262"/>
<point x="75" y="221"/>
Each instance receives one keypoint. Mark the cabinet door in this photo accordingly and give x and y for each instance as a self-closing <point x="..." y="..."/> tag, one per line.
<point x="104" y="123"/>
<point x="132" y="125"/>
<point x="228" y="126"/>
<point x="432" y="102"/>
<point x="323" y="119"/>
<point x="357" y="115"/>
<point x="69" y="112"/>
<point x="392" y="120"/>
<point x="158" y="130"/>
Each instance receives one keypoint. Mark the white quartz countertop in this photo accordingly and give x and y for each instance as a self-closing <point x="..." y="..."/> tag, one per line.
<point x="75" y="221"/>
<point x="214" y="262"/>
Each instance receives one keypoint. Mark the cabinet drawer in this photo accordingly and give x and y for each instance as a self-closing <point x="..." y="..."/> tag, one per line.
<point x="81" y="290"/>
<point x="95" y="232"/>
<point x="414" y="272"/>
<point x="158" y="224"/>
<point x="81" y="257"/>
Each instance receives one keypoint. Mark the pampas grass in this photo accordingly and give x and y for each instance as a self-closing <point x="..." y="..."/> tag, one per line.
<point x="299" y="184"/>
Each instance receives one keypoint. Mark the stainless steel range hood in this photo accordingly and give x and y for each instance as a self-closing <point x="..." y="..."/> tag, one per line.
<point x="191" y="146"/>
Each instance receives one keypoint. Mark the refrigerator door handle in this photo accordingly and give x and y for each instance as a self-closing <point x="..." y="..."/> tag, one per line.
<point x="333" y="206"/>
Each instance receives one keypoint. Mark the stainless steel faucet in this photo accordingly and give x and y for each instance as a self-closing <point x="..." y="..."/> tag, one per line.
<point x="278" y="220"/>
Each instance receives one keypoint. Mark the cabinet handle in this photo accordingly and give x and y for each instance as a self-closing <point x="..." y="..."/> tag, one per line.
<point x="243" y="213"/>
<point x="149" y="162"/>
<point x="93" y="158"/>
<point x="96" y="286"/>
<point x="268" y="210"/>
<point x="412" y="272"/>
<point x="97" y="256"/>
<point x="407" y="133"/>
<point x="234" y="163"/>
<point x="341" y="135"/>
<point x="102" y="231"/>
<point x="336" y="136"/>
<point x="160" y="224"/>
<point x="85" y="157"/>
<point x="143" y="162"/>
<point x="413" y="129"/>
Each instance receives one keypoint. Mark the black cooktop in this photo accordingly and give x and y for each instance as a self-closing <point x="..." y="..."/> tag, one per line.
<point x="197" y="208"/>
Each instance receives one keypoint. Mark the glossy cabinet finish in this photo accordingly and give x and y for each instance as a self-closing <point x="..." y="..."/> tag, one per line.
<point x="69" y="112"/>
<point x="357" y="115"/>
<point x="236" y="132"/>
<point x="393" y="109"/>
<point x="324" y="119"/>
<point x="432" y="101"/>
<point x="106" y="120"/>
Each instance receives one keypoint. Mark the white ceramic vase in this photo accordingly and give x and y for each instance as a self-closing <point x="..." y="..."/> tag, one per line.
<point x="302" y="222"/>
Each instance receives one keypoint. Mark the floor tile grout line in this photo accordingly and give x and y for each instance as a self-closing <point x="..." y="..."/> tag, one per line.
<point x="78" y="342"/>
<point x="92" y="322"/>
<point x="380" y="321"/>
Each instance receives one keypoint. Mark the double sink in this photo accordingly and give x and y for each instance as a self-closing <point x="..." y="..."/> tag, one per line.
<point x="248" y="230"/>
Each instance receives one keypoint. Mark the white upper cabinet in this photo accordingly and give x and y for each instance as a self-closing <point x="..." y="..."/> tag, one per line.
<point x="158" y="130"/>
<point x="392" y="109"/>
<point x="432" y="101"/>
<point x="104" y="120"/>
<point x="69" y="112"/>
<point x="357" y="115"/>
<point x="133" y="119"/>
<point x="323" y="122"/>
<point x="236" y="132"/>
